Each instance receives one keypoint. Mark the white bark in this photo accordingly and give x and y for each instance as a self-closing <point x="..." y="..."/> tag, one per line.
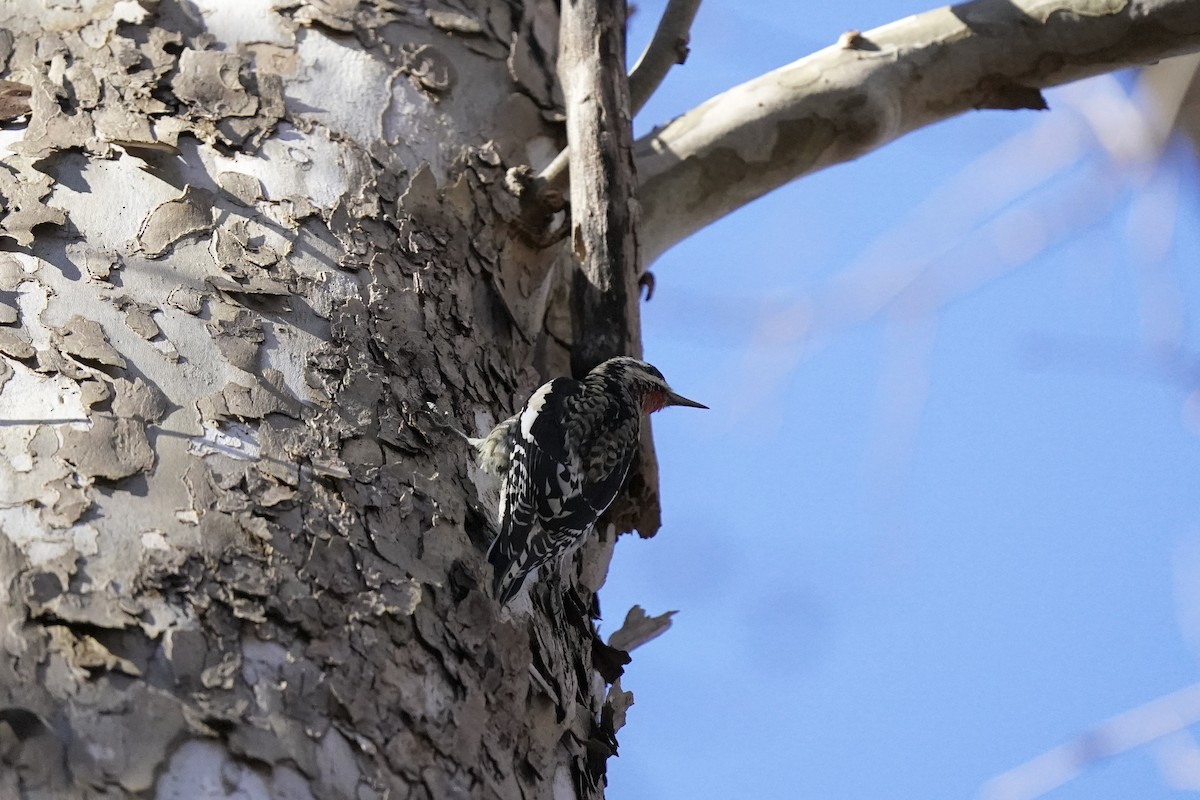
<point x="868" y="89"/>
<point x="668" y="47"/>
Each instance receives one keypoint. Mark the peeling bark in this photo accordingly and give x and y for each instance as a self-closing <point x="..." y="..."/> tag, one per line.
<point x="248" y="243"/>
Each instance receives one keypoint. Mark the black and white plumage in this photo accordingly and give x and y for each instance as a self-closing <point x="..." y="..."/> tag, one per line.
<point x="562" y="459"/>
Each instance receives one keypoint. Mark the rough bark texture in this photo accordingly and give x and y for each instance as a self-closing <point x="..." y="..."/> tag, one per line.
<point x="246" y="243"/>
<point x="870" y="88"/>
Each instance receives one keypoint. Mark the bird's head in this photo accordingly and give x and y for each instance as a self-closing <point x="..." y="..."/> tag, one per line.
<point x="644" y="382"/>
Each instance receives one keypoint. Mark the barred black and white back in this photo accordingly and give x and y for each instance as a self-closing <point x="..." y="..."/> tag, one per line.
<point x="562" y="460"/>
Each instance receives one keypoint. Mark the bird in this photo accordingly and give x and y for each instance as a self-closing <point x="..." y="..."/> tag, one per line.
<point x="562" y="459"/>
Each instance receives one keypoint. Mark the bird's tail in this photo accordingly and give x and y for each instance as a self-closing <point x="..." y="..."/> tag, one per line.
<point x="506" y="588"/>
<point x="507" y="575"/>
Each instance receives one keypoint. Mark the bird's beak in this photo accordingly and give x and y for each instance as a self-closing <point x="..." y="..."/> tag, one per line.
<point x="679" y="400"/>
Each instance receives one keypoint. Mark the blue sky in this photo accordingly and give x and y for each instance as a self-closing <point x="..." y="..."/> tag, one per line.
<point x="924" y="545"/>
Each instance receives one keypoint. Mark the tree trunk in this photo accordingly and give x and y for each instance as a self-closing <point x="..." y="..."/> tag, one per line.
<point x="246" y="247"/>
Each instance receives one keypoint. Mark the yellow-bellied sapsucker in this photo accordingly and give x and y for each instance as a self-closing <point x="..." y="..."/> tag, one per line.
<point x="562" y="459"/>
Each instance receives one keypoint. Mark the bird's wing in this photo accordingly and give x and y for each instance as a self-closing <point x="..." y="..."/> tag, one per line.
<point x="611" y="454"/>
<point x="536" y="487"/>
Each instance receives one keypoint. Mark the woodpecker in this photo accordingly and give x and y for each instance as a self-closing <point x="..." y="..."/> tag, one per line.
<point x="562" y="459"/>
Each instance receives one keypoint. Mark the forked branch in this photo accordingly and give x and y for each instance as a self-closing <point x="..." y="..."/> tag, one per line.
<point x="868" y="89"/>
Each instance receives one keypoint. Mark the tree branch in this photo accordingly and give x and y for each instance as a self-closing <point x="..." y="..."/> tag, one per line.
<point x="668" y="48"/>
<point x="1131" y="729"/>
<point x="604" y="315"/>
<point x="599" y="139"/>
<point x="851" y="98"/>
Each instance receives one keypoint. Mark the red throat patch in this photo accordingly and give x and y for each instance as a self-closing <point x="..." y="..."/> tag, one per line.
<point x="653" y="401"/>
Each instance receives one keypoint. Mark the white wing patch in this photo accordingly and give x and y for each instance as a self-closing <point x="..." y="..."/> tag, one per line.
<point x="532" y="409"/>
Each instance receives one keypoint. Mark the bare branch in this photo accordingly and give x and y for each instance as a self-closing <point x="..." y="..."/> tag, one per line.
<point x="1171" y="89"/>
<point x="1120" y="734"/>
<point x="554" y="176"/>
<point x="668" y="48"/>
<point x="604" y="284"/>
<point x="851" y="98"/>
